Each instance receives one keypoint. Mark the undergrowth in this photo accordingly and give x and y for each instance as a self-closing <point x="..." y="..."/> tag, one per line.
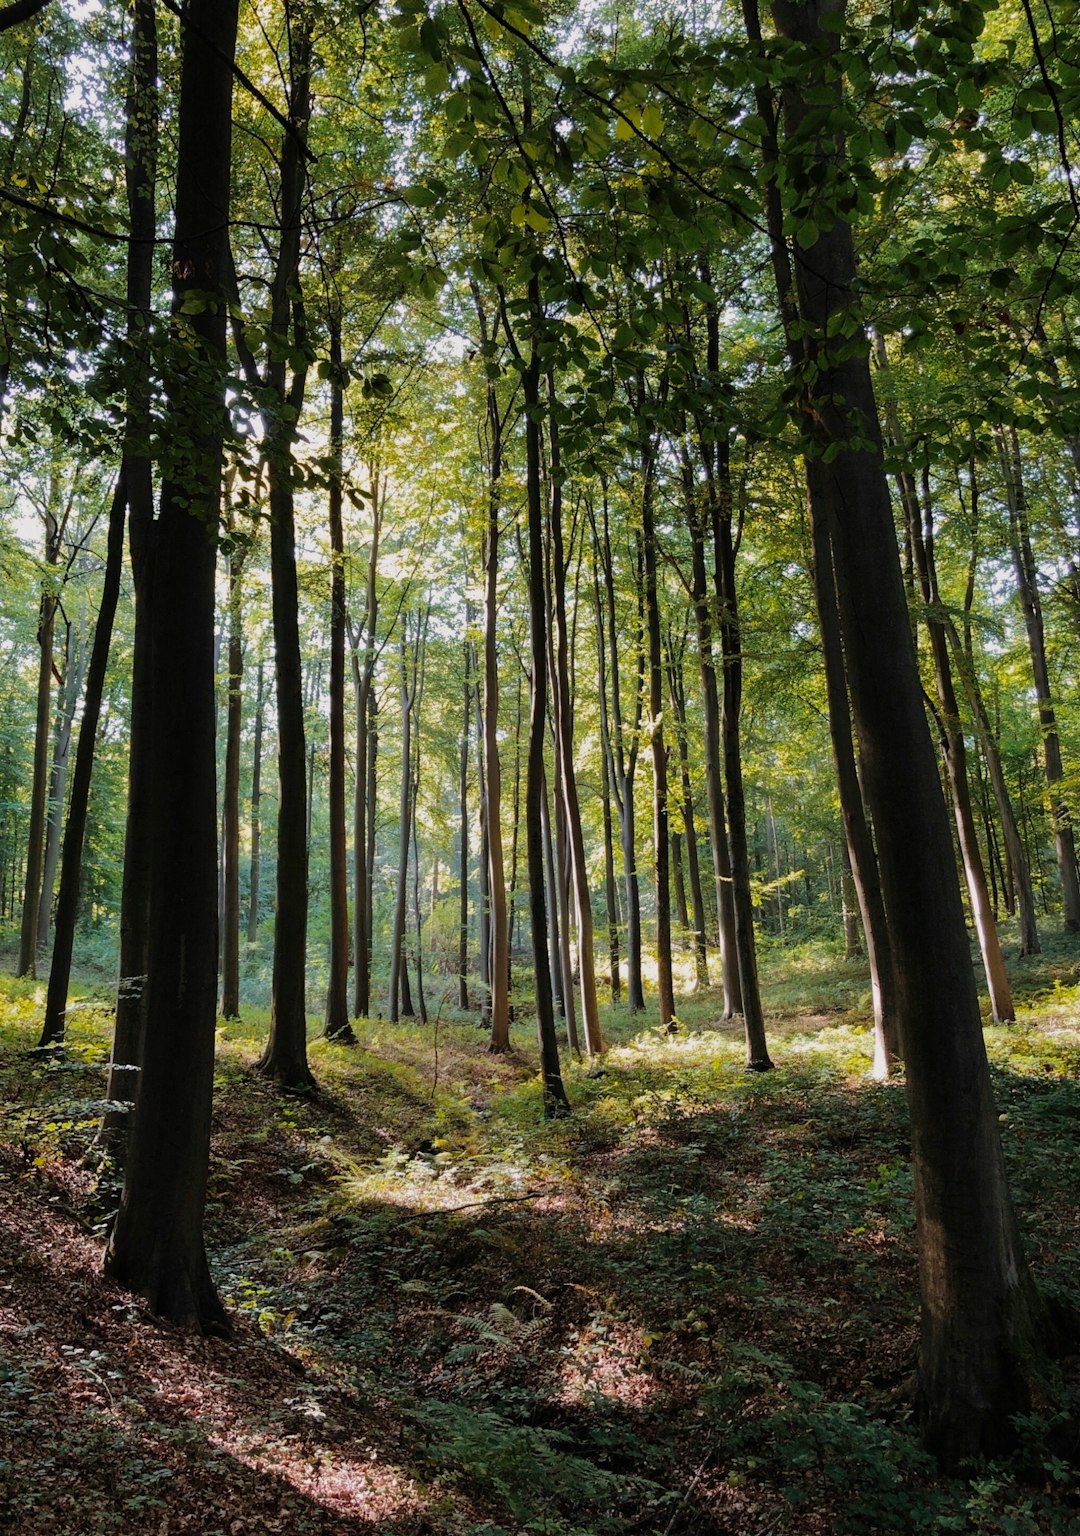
<point x="690" y="1307"/>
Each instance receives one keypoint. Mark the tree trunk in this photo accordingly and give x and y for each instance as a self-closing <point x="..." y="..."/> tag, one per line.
<point x="463" y="865"/>
<point x="337" y="992"/>
<point x="921" y="534"/>
<point x="860" y="856"/>
<point x="978" y="1312"/>
<point x="256" y="818"/>
<point x="500" y="937"/>
<point x="610" y="890"/>
<point x="67" y="905"/>
<point x="156" y="1247"/>
<point x="140" y="145"/>
<point x="564" y="746"/>
<point x="1027" y="585"/>
<point x="67" y="705"/>
<point x="677" y="688"/>
<point x="622" y="762"/>
<point x="714" y="785"/>
<point x="285" y="1056"/>
<point x="35" y="838"/>
<point x="230" y="938"/>
<point x="555" y="1100"/>
<point x="665" y="984"/>
<point x="363" y="813"/>
<point x="397" y="932"/>
<point x="720" y="509"/>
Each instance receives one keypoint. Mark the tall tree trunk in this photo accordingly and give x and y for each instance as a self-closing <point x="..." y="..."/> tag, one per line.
<point x="230" y="938"/>
<point x="1027" y="586"/>
<point x="364" y="813"/>
<point x="661" y="838"/>
<point x="67" y="704"/>
<point x="622" y="759"/>
<point x="256" y="816"/>
<point x="35" y="837"/>
<point x="140" y="148"/>
<point x="484" y="914"/>
<point x="677" y="688"/>
<point x="978" y="1304"/>
<point x="720" y="510"/>
<point x="564" y="746"/>
<point x="860" y="855"/>
<point x="156" y="1247"/>
<point x="463" y="866"/>
<point x="714" y="784"/>
<point x="500" y="936"/>
<point x="552" y="887"/>
<point x="337" y="992"/>
<point x="285" y="1056"/>
<point x="610" y="892"/>
<point x="67" y="905"/>
<point x="397" y="932"/>
<point x="921" y="534"/>
<point x="555" y="1100"/>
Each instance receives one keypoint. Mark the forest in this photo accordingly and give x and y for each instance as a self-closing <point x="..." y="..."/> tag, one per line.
<point x="539" y="761"/>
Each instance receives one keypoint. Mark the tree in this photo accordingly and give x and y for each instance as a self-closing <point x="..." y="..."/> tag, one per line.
<point x="156" y="1246"/>
<point x="978" y="1305"/>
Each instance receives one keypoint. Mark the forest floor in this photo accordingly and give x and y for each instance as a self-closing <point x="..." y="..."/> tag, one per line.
<point x="691" y="1307"/>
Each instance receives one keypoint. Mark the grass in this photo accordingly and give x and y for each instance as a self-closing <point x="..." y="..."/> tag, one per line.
<point x="691" y="1307"/>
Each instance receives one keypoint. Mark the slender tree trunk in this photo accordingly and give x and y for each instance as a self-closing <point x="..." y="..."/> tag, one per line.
<point x="552" y="886"/>
<point x="610" y="894"/>
<point x="484" y="914"/>
<point x="921" y="533"/>
<point x="67" y="704"/>
<point x="67" y="905"/>
<point x="363" y="823"/>
<point x="677" y="688"/>
<point x="564" y="746"/>
<point x="1027" y="585"/>
<point x="500" y="938"/>
<point x="463" y="884"/>
<point x="661" y="837"/>
<point x="285" y="1056"/>
<point x="230" y="938"/>
<point x="714" y="785"/>
<point x="256" y="818"/>
<point x="860" y="856"/>
<point x="140" y="145"/>
<point x="757" y="1051"/>
<point x="337" y="994"/>
<point x="397" y="933"/>
<point x="35" y="838"/>
<point x="156" y="1247"/>
<point x="555" y="1100"/>
<point x="622" y="762"/>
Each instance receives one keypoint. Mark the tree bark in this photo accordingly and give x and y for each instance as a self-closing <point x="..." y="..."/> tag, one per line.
<point x="555" y="1100"/>
<point x="665" y="984"/>
<point x="156" y="1247"/>
<point x="978" y="1304"/>
<point x="230" y="938"/>
<point x="67" y="905"/>
<point x="564" y="746"/>
<point x="714" y="784"/>
<point x="337" y="992"/>
<point x="256" y="816"/>
<point x="140" y="147"/>
<point x="285" y="1055"/>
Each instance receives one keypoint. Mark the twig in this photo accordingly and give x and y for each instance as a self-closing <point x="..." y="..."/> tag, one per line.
<point x="472" y="1205"/>
<point x="686" y="1494"/>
